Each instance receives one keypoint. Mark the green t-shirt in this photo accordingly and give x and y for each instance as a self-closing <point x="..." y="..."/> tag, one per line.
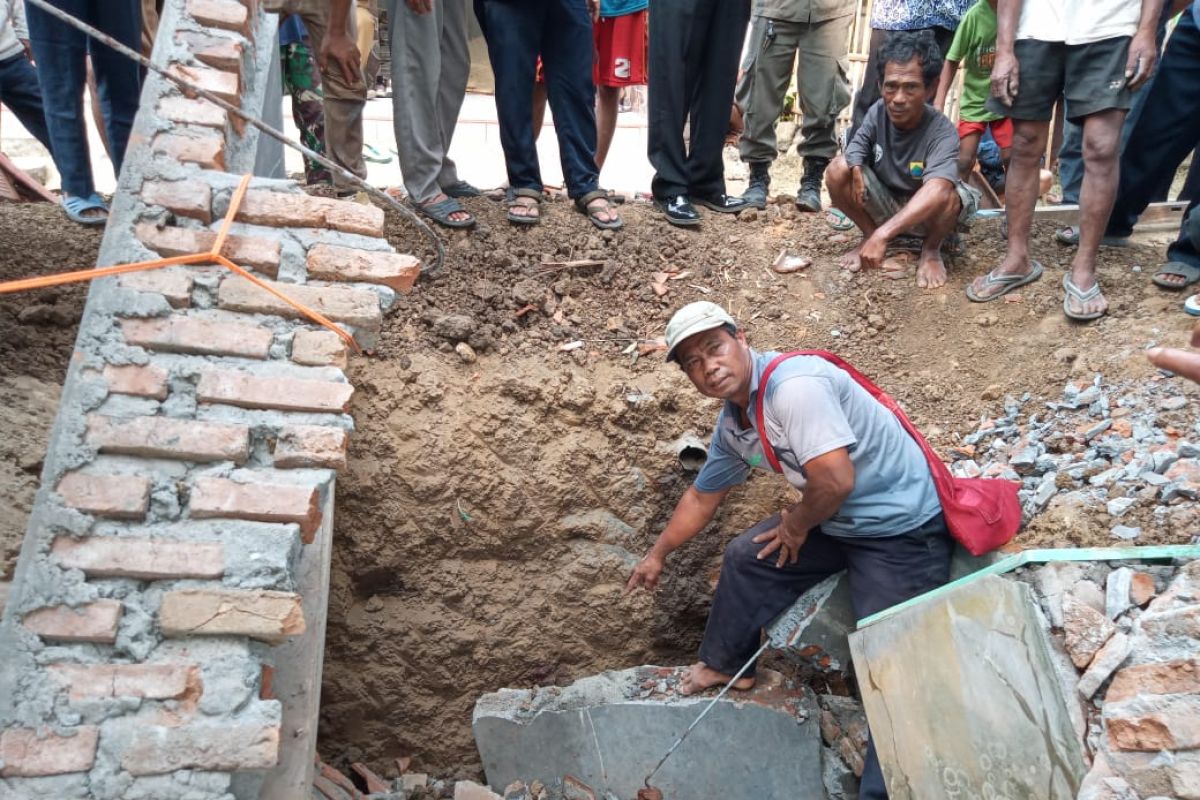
<point x="975" y="46"/>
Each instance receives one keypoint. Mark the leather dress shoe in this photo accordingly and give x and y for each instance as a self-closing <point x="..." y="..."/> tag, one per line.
<point x="679" y="210"/>
<point x="723" y="203"/>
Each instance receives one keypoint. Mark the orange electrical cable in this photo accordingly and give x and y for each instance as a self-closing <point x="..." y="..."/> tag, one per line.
<point x="212" y="256"/>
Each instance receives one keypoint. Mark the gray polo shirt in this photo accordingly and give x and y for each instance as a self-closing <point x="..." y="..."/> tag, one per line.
<point x="812" y="408"/>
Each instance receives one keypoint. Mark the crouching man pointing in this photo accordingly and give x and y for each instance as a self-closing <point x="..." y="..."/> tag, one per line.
<point x="869" y="504"/>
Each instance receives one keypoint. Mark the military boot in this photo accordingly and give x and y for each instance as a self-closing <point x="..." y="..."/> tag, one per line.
<point x="808" y="198"/>
<point x="755" y="195"/>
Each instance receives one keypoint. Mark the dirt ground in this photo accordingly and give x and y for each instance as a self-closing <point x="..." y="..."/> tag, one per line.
<point x="492" y="510"/>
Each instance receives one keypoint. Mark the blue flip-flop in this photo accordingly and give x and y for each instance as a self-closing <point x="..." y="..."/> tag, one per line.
<point x="74" y="208"/>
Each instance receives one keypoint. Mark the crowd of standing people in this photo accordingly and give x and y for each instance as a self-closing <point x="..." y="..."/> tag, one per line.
<point x="900" y="172"/>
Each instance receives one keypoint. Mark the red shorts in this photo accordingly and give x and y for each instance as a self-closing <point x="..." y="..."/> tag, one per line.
<point x="1002" y="130"/>
<point x="620" y="50"/>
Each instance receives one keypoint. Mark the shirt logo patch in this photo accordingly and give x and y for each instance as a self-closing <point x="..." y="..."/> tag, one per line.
<point x="916" y="168"/>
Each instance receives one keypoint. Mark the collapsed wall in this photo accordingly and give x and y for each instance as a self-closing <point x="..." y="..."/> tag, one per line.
<point x="163" y="634"/>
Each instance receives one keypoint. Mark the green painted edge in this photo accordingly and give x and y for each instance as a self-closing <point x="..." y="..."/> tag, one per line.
<point x="1016" y="560"/>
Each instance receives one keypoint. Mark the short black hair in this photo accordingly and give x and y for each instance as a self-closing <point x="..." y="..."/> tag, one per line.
<point x="901" y="47"/>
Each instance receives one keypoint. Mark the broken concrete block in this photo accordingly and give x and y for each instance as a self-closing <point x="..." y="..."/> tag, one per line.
<point x="1085" y="628"/>
<point x="1089" y="593"/>
<point x="1151" y="724"/>
<point x="1117" y="592"/>
<point x="1052" y="582"/>
<point x="610" y="730"/>
<point x="469" y="790"/>
<point x="822" y="635"/>
<point x="1106" y="661"/>
<point x="984" y="710"/>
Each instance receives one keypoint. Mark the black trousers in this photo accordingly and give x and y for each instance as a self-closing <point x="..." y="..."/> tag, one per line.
<point x="695" y="47"/>
<point x="1167" y="130"/>
<point x="882" y="572"/>
<point x="868" y="93"/>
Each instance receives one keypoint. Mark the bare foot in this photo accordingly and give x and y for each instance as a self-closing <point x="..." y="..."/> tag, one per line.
<point x="700" y="676"/>
<point x="931" y="272"/>
<point x="851" y="260"/>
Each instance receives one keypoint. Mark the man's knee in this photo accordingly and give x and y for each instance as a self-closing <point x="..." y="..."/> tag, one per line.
<point x="837" y="178"/>
<point x="1101" y="149"/>
<point x="1026" y="141"/>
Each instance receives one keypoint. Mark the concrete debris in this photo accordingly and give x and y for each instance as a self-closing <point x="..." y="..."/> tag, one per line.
<point x="1126" y="450"/>
<point x="609" y="730"/>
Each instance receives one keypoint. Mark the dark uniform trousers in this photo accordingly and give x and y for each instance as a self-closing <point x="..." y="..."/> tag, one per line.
<point x="695" y="47"/>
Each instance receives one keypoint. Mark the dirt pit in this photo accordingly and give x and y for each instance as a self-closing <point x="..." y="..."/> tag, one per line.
<point x="492" y="509"/>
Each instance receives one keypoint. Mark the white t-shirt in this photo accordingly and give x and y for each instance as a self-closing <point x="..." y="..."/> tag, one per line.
<point x="1078" y="21"/>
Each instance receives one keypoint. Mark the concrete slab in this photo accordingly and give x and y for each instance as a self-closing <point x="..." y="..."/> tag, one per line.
<point x="610" y="730"/>
<point x="963" y="699"/>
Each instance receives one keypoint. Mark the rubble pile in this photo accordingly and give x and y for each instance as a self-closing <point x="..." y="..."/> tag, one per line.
<point x="1107" y="463"/>
<point x="1126" y="639"/>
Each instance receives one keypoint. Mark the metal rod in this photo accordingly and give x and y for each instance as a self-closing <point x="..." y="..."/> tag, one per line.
<point x="193" y="90"/>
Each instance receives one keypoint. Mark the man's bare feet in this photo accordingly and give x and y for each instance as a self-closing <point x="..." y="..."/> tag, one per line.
<point x="851" y="260"/>
<point x="931" y="271"/>
<point x="700" y="676"/>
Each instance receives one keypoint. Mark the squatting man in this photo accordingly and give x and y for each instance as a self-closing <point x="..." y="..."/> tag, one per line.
<point x="869" y="504"/>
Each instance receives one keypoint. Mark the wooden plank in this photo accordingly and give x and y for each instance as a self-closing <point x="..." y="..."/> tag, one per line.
<point x="1157" y="216"/>
<point x="374" y="782"/>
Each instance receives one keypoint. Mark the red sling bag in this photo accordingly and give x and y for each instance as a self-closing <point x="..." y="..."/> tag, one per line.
<point x="981" y="513"/>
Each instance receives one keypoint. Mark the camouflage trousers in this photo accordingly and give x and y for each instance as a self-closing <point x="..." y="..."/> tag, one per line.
<point x="302" y="80"/>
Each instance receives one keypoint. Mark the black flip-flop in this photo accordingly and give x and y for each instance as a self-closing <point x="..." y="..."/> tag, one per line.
<point x="440" y="213"/>
<point x="511" y="196"/>
<point x="461" y="189"/>
<point x="1186" y="271"/>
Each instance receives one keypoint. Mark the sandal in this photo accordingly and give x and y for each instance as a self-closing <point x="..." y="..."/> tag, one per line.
<point x="1068" y="235"/>
<point x="1186" y="271"/>
<point x="74" y="208"/>
<point x="1006" y="282"/>
<point x="461" y="189"/>
<point x="1080" y="296"/>
<point x="835" y="219"/>
<point x="513" y="196"/>
<point x="441" y="210"/>
<point x="593" y="214"/>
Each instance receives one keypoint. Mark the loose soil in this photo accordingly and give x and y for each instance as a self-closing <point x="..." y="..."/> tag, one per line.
<point x="492" y="510"/>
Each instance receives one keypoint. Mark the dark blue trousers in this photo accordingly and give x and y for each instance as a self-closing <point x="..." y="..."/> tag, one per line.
<point x="517" y="32"/>
<point x="695" y="47"/>
<point x="1167" y="130"/>
<point x="19" y="91"/>
<point x="882" y="572"/>
<point x="60" y="52"/>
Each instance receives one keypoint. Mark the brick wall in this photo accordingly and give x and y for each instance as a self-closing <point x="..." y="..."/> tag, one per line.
<point x="162" y="637"/>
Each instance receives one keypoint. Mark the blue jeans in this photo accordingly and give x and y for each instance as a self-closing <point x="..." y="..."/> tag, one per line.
<point x="883" y="571"/>
<point x="19" y="91"/>
<point x="60" y="52"/>
<point x="1167" y="131"/>
<point x="517" y="31"/>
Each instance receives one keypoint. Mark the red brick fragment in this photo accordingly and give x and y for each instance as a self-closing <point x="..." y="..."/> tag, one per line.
<point x="206" y="150"/>
<point x="179" y="334"/>
<point x="259" y="614"/>
<point x="226" y="14"/>
<point x="281" y="209"/>
<point x="173" y="283"/>
<point x="139" y="380"/>
<point x="319" y="349"/>
<point x="162" y="437"/>
<point x="93" y="622"/>
<point x="329" y="263"/>
<point x="152" y="681"/>
<point x="256" y="252"/>
<point x="30" y="753"/>
<point x="311" y="446"/>
<point x="288" y="394"/>
<point x="262" y="502"/>
<point x="143" y="559"/>
<point x="154" y="749"/>
<point x="116" y="496"/>
<point x="187" y="198"/>
<point x="177" y="108"/>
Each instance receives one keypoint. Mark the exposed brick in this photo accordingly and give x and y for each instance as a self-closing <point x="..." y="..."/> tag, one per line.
<point x="264" y="615"/>
<point x="1172" y="724"/>
<point x="140" y="380"/>
<point x="266" y="683"/>
<point x="162" y="437"/>
<point x="173" y="283"/>
<point x="327" y="262"/>
<point x="29" y="753"/>
<point x="177" y="108"/>
<point x="256" y="252"/>
<point x="357" y="307"/>
<point x="207" y="150"/>
<point x="93" y="622"/>
<point x="311" y="446"/>
<point x="152" y="681"/>
<point x="1141" y="588"/>
<point x="319" y="348"/>
<point x="227" y="14"/>
<point x="144" y="559"/>
<point x="178" y="334"/>
<point x="280" y="209"/>
<point x="118" y="496"/>
<point x="187" y="198"/>
<point x="1181" y="676"/>
<point x="219" y="52"/>
<point x="155" y="749"/>
<point x="288" y="394"/>
<point x="262" y="502"/>
<point x="214" y="81"/>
